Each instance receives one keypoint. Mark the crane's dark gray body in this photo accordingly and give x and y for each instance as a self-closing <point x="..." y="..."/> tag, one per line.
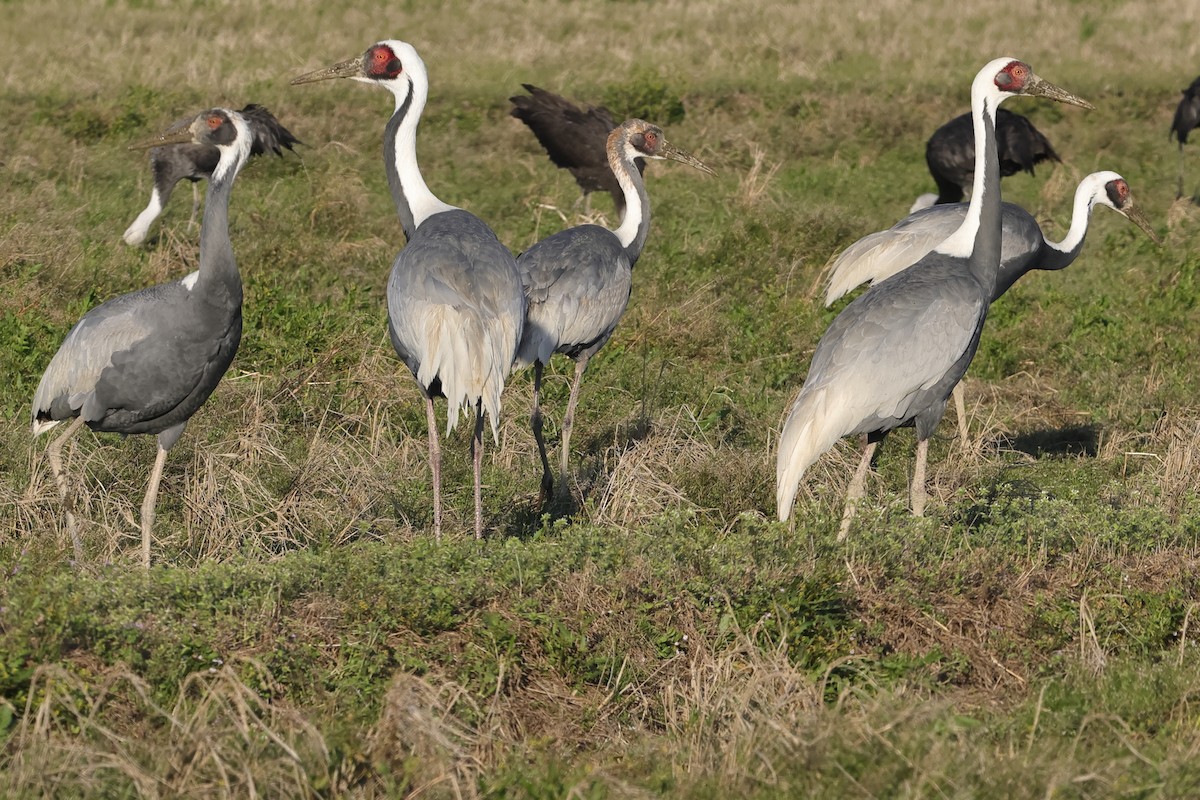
<point x="574" y="138"/>
<point x="1187" y="117"/>
<point x="950" y="152"/>
<point x="192" y="162"/>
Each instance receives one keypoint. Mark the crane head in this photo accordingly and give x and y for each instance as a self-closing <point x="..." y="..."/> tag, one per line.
<point x="1010" y="76"/>
<point x="1118" y="195"/>
<point x="383" y="62"/>
<point x="223" y="128"/>
<point x="636" y="138"/>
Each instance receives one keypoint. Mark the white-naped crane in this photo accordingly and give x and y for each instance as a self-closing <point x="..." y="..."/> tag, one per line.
<point x="169" y="164"/>
<point x="1024" y="247"/>
<point x="456" y="307"/>
<point x="577" y="281"/>
<point x="575" y="139"/>
<point x="1187" y="117"/>
<point x="145" y="362"/>
<point x="950" y="154"/>
<point x="892" y="357"/>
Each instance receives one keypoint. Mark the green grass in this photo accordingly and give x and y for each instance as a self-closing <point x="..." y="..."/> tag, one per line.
<point x="302" y="635"/>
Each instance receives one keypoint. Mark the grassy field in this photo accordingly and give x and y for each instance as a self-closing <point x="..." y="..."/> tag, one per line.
<point x="302" y="635"/>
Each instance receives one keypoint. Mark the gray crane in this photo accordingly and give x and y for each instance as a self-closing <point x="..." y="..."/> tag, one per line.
<point x="1023" y="248"/>
<point x="145" y="362"/>
<point x="169" y="164"/>
<point x="456" y="307"/>
<point x="575" y="139"/>
<point x="892" y="356"/>
<point x="1187" y="117"/>
<point x="577" y="281"/>
<point x="950" y="154"/>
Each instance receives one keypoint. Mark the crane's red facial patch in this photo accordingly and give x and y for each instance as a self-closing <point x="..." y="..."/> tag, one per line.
<point x="1118" y="192"/>
<point x="382" y="62"/>
<point x="1012" y="78"/>
<point x="214" y="121"/>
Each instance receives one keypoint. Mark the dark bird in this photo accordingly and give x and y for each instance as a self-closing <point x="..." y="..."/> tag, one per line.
<point x="892" y="357"/>
<point x="950" y="154"/>
<point x="145" y="362"/>
<point x="577" y="281"/>
<point x="172" y="163"/>
<point x="1023" y="248"/>
<point x="574" y="138"/>
<point x="1187" y="117"/>
<point x="455" y="303"/>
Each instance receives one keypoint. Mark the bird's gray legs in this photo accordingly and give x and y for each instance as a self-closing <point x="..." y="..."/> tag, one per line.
<point x="917" y="492"/>
<point x="477" y="458"/>
<point x="435" y="467"/>
<point x="568" y="421"/>
<point x="150" y="502"/>
<point x="1179" y="191"/>
<point x="960" y="408"/>
<point x="856" y="490"/>
<point x="535" y="423"/>
<point x="195" y="204"/>
<point x="54" y="455"/>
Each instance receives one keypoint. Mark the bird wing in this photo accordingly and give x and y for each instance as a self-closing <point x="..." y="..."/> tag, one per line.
<point x="269" y="134"/>
<point x="1187" y="113"/>
<point x="878" y="256"/>
<point x="577" y="285"/>
<point x="1020" y="145"/>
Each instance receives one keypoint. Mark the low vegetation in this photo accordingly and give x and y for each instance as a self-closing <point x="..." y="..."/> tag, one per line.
<point x="302" y="635"/>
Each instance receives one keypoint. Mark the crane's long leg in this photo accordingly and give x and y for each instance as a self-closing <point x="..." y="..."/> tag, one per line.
<point x="150" y="502"/>
<point x="917" y="492"/>
<point x="195" y="203"/>
<point x="1179" y="190"/>
<point x="535" y="423"/>
<point x="856" y="490"/>
<point x="477" y="458"/>
<point x="435" y="466"/>
<point x="960" y="408"/>
<point x="568" y="421"/>
<point x="54" y="456"/>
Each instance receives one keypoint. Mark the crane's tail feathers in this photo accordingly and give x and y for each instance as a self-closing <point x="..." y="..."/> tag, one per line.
<point x="40" y="426"/>
<point x="135" y="234"/>
<point x="811" y="429"/>
<point x="865" y="261"/>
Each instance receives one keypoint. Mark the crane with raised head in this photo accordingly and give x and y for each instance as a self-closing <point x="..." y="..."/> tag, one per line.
<point x="892" y="357"/>
<point x="950" y="154"/>
<point x="1187" y="117"/>
<point x="1024" y="247"/>
<point x="456" y="307"/>
<point x="575" y="139"/>
<point x="577" y="281"/>
<point x="169" y="164"/>
<point x="145" y="362"/>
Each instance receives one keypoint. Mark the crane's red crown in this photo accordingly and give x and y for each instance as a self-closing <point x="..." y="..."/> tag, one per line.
<point x="1012" y="78"/>
<point x="381" y="62"/>
<point x="1118" y="192"/>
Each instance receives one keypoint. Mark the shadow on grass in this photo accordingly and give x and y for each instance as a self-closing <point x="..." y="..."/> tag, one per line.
<point x="1071" y="440"/>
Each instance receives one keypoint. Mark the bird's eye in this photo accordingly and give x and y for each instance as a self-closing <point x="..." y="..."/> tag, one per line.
<point x="651" y="138"/>
<point x="214" y="122"/>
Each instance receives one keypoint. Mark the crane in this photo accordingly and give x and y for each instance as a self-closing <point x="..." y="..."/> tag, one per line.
<point x="145" y="362"/>
<point x="950" y="154"/>
<point x="1023" y="248"/>
<point x="575" y="139"/>
<point x="169" y="164"/>
<point x="577" y="281"/>
<point x="1187" y="117"/>
<point x="892" y="356"/>
<point x="456" y="307"/>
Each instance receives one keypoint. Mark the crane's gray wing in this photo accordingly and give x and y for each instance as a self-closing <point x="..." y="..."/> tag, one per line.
<point x="577" y="285"/>
<point x="878" y="256"/>
<point x="892" y="349"/>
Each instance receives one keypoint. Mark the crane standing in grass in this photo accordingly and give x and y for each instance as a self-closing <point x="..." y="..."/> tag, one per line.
<point x="455" y="303"/>
<point x="894" y="354"/>
<point x="577" y="281"/>
<point x="1024" y="247"/>
<point x="169" y="164"/>
<point x="1187" y="117"/>
<point x="144" y="362"/>
<point x="574" y="138"/>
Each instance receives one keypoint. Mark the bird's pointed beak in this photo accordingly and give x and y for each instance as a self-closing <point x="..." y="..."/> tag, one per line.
<point x="349" y="68"/>
<point x="180" y="135"/>
<point x="1135" y="215"/>
<point x="1040" y="87"/>
<point x="671" y="151"/>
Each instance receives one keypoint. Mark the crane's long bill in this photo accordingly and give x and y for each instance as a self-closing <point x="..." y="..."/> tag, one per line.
<point x="173" y="136"/>
<point x="1043" y="88"/>
<point x="671" y="151"/>
<point x="343" y="69"/>
<point x="1135" y="215"/>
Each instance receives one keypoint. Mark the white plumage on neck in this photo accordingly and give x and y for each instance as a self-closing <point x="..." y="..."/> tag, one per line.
<point x="414" y="81"/>
<point x="233" y="155"/>
<point x="618" y="160"/>
<point x="1089" y="192"/>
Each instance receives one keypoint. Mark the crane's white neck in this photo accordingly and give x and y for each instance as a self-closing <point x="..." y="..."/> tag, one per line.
<point x="411" y="90"/>
<point x="985" y="99"/>
<point x="635" y="209"/>
<point x="234" y="155"/>
<point x="1090" y="191"/>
